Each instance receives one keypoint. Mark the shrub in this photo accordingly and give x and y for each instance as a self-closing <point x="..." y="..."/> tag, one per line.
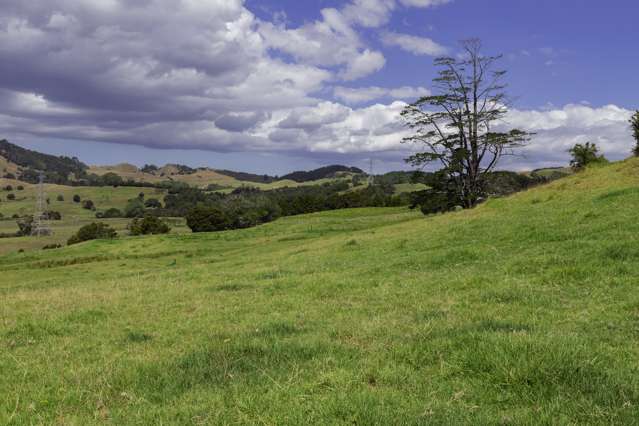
<point x="111" y="213"/>
<point x="11" y="196"/>
<point x="25" y="226"/>
<point x="20" y="188"/>
<point x="93" y="231"/>
<point x="148" y="225"/>
<point x="60" y="197"/>
<point x="51" y="246"/>
<point x="76" y="198"/>
<point x="207" y="219"/>
<point x="134" y="208"/>
<point x="153" y="203"/>
<point x="583" y="155"/>
<point x="8" y="188"/>
<point x="52" y="215"/>
<point x="88" y="204"/>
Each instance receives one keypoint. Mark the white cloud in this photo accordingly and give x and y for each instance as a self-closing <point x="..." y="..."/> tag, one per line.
<point x="413" y="44"/>
<point x="354" y="96"/>
<point x="195" y="74"/>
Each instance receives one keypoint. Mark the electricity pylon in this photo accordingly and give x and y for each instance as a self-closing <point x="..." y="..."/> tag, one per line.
<point x="40" y="219"/>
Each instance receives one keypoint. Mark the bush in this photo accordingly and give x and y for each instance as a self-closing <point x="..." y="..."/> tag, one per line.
<point x="20" y="188"/>
<point x="60" y="197"/>
<point x="134" y="208"/>
<point x="11" y="196"/>
<point x="111" y="213"/>
<point x="51" y="246"/>
<point x="93" y="231"/>
<point x="153" y="203"/>
<point x="148" y="225"/>
<point x="88" y="204"/>
<point x="583" y="155"/>
<point x="52" y="215"/>
<point x="76" y="198"/>
<point x="25" y="226"/>
<point x="207" y="219"/>
<point x="8" y="188"/>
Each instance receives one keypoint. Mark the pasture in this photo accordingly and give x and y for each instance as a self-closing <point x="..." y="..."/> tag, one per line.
<point x="524" y="310"/>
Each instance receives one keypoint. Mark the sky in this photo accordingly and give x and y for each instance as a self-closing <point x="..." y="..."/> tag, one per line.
<point x="272" y="86"/>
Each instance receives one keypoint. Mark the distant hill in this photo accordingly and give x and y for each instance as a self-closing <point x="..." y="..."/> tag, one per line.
<point x="59" y="170"/>
<point x="248" y="177"/>
<point x="22" y="164"/>
<point x="321" y="173"/>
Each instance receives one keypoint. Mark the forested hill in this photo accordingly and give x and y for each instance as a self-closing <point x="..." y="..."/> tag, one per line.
<point x="56" y="169"/>
<point x="321" y="173"/>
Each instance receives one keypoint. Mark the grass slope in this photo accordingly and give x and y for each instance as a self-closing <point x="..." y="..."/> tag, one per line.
<point x="522" y="311"/>
<point x="73" y="215"/>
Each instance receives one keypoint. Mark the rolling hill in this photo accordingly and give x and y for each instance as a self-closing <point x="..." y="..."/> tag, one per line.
<point x="21" y="163"/>
<point x="522" y="311"/>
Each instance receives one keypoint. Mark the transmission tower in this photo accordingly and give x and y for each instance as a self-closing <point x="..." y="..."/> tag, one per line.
<point x="40" y="219"/>
<point x="371" y="178"/>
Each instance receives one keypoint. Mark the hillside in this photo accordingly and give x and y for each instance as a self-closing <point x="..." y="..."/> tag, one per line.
<point x="321" y="173"/>
<point x="521" y="311"/>
<point x="73" y="215"/>
<point x="25" y="163"/>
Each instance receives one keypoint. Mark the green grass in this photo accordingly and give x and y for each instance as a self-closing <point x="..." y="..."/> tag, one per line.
<point x="522" y="311"/>
<point x="73" y="215"/>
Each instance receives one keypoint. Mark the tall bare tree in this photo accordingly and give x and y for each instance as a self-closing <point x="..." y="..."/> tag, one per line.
<point x="456" y="124"/>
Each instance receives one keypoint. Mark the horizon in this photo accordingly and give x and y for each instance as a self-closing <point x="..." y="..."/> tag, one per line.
<point x="273" y="87"/>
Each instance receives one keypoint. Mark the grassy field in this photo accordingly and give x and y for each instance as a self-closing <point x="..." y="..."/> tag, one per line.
<point x="73" y="215"/>
<point x="524" y="310"/>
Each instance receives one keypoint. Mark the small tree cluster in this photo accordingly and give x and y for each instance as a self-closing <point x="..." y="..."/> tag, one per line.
<point x="584" y="155"/>
<point x="93" y="231"/>
<point x="148" y="225"/>
<point x="109" y="214"/>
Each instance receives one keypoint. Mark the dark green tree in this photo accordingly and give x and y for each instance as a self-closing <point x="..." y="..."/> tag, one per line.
<point x="207" y="219"/>
<point x="585" y="154"/>
<point x="134" y="208"/>
<point x="148" y="225"/>
<point x="457" y="123"/>
<point x="88" y="204"/>
<point x="93" y="231"/>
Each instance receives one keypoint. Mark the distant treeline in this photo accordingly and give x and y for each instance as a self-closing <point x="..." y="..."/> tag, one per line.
<point x="321" y="173"/>
<point x="246" y="207"/>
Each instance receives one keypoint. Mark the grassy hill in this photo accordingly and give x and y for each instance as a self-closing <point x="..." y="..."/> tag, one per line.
<point x="524" y="310"/>
<point x="73" y="215"/>
<point x="204" y="177"/>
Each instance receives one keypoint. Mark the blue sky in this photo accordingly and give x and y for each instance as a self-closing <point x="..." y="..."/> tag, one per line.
<point x="274" y="86"/>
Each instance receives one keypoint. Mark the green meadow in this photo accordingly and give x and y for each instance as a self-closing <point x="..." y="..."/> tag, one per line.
<point x="73" y="215"/>
<point x="524" y="310"/>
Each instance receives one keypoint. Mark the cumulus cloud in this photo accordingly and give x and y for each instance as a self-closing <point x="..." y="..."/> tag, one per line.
<point x="353" y="96"/>
<point x="210" y="75"/>
<point x="413" y="44"/>
<point x="557" y="130"/>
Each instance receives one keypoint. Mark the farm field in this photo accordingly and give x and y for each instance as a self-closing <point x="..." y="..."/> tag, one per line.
<point x="524" y="310"/>
<point x="73" y="215"/>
